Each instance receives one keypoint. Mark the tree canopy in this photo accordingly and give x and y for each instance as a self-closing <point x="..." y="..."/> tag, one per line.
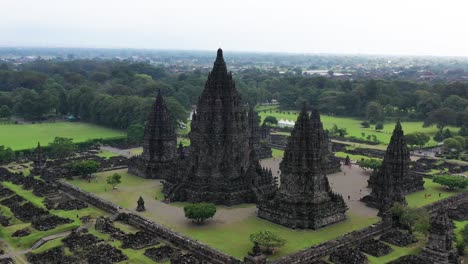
<point x="85" y="167"/>
<point x="268" y="240"/>
<point x="114" y="180"/>
<point x="451" y="181"/>
<point x="199" y="212"/>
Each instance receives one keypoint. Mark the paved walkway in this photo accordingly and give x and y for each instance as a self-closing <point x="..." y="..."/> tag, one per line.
<point x="122" y="152"/>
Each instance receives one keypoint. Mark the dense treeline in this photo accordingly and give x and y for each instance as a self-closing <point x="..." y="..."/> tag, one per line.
<point x="119" y="93"/>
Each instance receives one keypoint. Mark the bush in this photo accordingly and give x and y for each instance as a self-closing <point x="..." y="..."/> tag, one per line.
<point x="199" y="212"/>
<point x="451" y="181"/>
<point x="365" y="124"/>
<point x="268" y="240"/>
<point x="372" y="164"/>
<point x="85" y="167"/>
<point x="114" y="180"/>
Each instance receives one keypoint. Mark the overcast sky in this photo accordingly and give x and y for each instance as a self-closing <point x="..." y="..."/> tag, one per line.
<point x="419" y="27"/>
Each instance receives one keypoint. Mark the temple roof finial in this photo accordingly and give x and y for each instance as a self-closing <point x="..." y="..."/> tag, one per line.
<point x="219" y="54"/>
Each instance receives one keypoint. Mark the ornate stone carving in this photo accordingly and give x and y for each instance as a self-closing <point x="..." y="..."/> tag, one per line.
<point x="392" y="180"/>
<point x="159" y="146"/>
<point x="39" y="161"/>
<point x="439" y="248"/>
<point x="304" y="199"/>
<point x="222" y="166"/>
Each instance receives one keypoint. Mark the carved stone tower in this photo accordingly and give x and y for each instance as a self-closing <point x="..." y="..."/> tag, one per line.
<point x="439" y="248"/>
<point x="159" y="145"/>
<point x="39" y="160"/>
<point x="304" y="199"/>
<point x="262" y="149"/>
<point x="392" y="180"/>
<point x="220" y="163"/>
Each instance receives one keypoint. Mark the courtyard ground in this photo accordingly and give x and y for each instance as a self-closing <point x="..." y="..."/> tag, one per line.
<point x="230" y="228"/>
<point x="26" y="136"/>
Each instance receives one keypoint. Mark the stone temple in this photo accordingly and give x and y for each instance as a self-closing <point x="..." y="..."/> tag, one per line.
<point x="221" y="165"/>
<point x="158" y="159"/>
<point x="304" y="199"/>
<point x="393" y="179"/>
<point x="439" y="247"/>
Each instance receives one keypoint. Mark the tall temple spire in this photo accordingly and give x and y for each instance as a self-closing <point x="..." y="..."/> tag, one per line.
<point x="221" y="169"/>
<point x="159" y="143"/>
<point x="219" y="72"/>
<point x="304" y="199"/>
<point x="392" y="180"/>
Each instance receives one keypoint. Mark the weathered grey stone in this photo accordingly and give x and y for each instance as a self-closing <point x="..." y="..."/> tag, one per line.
<point x="392" y="180"/>
<point x="304" y="199"/>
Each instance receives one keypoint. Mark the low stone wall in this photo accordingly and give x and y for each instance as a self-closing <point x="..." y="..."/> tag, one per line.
<point x="202" y="251"/>
<point x="87" y="197"/>
<point x="326" y="248"/>
<point x="448" y="203"/>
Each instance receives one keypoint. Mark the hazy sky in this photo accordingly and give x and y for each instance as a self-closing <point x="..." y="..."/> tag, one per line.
<point x="421" y="27"/>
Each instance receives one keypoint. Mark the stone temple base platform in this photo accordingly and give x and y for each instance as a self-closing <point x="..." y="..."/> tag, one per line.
<point x="220" y="196"/>
<point x="297" y="212"/>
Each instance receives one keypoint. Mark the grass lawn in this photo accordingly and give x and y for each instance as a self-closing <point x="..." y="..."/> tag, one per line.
<point x="27" y="136"/>
<point x="353" y="157"/>
<point x="277" y="153"/>
<point x="353" y="125"/>
<point x="107" y="154"/>
<point x="234" y="238"/>
<point x="185" y="141"/>
<point x="417" y="199"/>
<point x="131" y="188"/>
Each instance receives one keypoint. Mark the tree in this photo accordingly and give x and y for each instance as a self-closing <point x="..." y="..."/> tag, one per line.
<point x="268" y="240"/>
<point x="340" y="132"/>
<point x="375" y="112"/>
<point x="370" y="164"/>
<point x="464" y="234"/>
<point x="199" y="212"/>
<point x="114" y="180"/>
<point x="417" y="138"/>
<point x="452" y="145"/>
<point x="61" y="147"/>
<point x="365" y="124"/>
<point x="439" y="137"/>
<point x="416" y="219"/>
<point x="85" y="167"/>
<point x="135" y="133"/>
<point x="5" y="111"/>
<point x="451" y="181"/>
<point x="6" y="154"/>
<point x="461" y="140"/>
<point x="447" y="133"/>
<point x="441" y="117"/>
<point x="270" y="120"/>
<point x="379" y="126"/>
<point x="463" y="131"/>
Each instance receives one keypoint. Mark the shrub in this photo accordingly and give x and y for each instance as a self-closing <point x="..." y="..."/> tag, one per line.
<point x="199" y="212"/>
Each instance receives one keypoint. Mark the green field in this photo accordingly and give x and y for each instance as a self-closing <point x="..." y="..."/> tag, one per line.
<point x="26" y="136"/>
<point x="353" y="125"/>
